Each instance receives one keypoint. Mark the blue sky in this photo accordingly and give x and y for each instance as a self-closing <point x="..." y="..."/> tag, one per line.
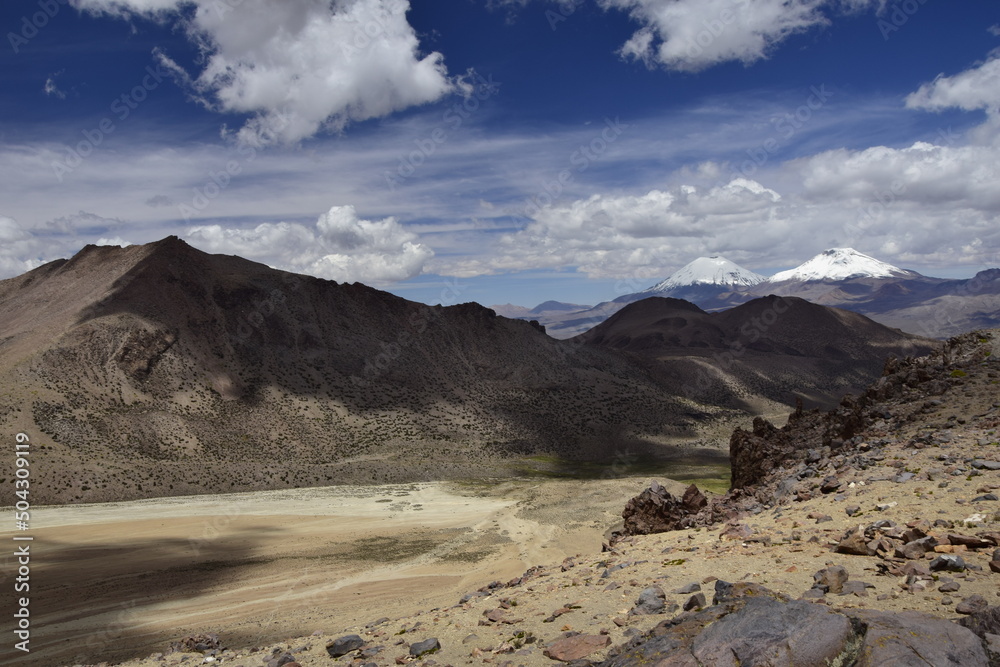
<point x="499" y="151"/>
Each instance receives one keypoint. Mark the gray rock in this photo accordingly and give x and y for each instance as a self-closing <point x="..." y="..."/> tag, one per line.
<point x="693" y="587"/>
<point x="949" y="562"/>
<point x="986" y="465"/>
<point x="983" y="622"/>
<point x="912" y="638"/>
<point x="859" y="588"/>
<point x="752" y="626"/>
<point x="949" y="587"/>
<point x="984" y="497"/>
<point x="696" y="601"/>
<point x="344" y="645"/>
<point x="916" y="549"/>
<point x="651" y="600"/>
<point x="972" y="604"/>
<point x="755" y="631"/>
<point x="422" y="648"/>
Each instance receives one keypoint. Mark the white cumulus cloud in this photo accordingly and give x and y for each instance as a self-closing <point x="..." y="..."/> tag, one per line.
<point x="298" y="66"/>
<point x="691" y="35"/>
<point x="636" y="235"/>
<point x="975" y="88"/>
<point x="339" y="246"/>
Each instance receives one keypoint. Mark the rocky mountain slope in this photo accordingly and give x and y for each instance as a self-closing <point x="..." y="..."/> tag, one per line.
<point x="161" y="370"/>
<point x="855" y="537"/>
<point x="773" y="347"/>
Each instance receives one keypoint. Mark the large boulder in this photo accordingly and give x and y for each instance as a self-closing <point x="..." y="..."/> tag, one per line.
<point x="749" y="626"/>
<point x="656" y="510"/>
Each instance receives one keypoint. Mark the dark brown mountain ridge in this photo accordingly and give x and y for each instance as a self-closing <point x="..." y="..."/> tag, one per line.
<point x="772" y="346"/>
<point x="163" y="370"/>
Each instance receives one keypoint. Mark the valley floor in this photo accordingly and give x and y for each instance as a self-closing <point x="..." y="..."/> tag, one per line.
<point x="119" y="580"/>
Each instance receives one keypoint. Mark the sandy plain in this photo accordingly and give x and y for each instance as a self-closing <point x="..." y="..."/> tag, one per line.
<point x="115" y="581"/>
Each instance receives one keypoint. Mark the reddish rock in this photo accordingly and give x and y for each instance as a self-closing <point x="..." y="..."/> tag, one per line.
<point x="854" y="542"/>
<point x="576" y="647"/>
<point x="655" y="510"/>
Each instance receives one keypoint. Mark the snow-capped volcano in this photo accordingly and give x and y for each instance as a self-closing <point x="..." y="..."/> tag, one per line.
<point x="840" y="264"/>
<point x="713" y="270"/>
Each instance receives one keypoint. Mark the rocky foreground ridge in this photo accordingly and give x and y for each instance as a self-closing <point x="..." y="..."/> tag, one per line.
<point x="869" y="535"/>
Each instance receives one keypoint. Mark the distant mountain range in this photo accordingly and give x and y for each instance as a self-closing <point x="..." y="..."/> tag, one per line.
<point x="161" y="370"/>
<point x="840" y="277"/>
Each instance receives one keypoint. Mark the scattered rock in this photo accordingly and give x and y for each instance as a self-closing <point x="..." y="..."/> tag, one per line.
<point x="858" y="588"/>
<point x="972" y="604"/>
<point x="831" y="579"/>
<point x="829" y="484"/>
<point x="344" y="645"/>
<point x="735" y="530"/>
<point x="916" y="549"/>
<point x="651" y="600"/>
<point x="949" y="587"/>
<point x="199" y="643"/>
<point x="690" y="588"/>
<point x="423" y="648"/>
<point x="576" y="647"/>
<point x="949" y="562"/>
<point x="283" y="660"/>
<point x="854" y="542"/>
<point x="696" y="601"/>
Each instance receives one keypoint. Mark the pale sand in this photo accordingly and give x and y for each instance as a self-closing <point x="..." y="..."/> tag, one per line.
<point x="122" y="580"/>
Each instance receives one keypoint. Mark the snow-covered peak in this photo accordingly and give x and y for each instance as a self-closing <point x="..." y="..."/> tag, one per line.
<point x="713" y="270"/>
<point x="840" y="264"/>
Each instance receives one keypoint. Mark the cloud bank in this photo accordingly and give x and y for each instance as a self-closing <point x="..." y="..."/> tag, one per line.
<point x="340" y="246"/>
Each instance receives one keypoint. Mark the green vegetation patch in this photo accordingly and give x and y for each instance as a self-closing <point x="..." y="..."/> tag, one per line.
<point x="709" y="475"/>
<point x="384" y="549"/>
